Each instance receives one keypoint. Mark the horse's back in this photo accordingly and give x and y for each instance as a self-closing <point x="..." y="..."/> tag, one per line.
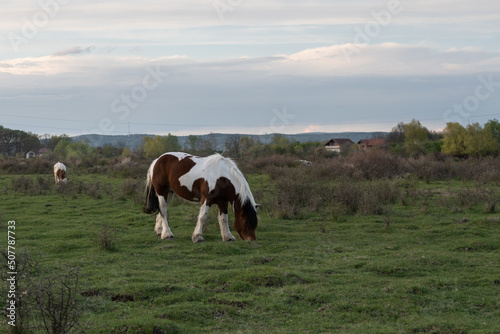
<point x="59" y="166"/>
<point x="191" y="177"/>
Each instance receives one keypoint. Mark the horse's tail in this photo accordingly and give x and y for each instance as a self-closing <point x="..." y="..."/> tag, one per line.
<point x="151" y="205"/>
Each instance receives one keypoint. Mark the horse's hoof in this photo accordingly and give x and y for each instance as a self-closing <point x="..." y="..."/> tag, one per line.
<point x="167" y="237"/>
<point x="198" y="238"/>
<point x="230" y="238"/>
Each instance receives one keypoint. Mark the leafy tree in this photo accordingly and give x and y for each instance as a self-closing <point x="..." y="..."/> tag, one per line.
<point x="193" y="144"/>
<point x="13" y="142"/>
<point x="248" y="144"/>
<point x="233" y="146"/>
<point x="397" y="135"/>
<point x="126" y="152"/>
<point x="209" y="145"/>
<point x="494" y="127"/>
<point x="281" y="145"/>
<point x="108" y="150"/>
<point x="480" y="141"/>
<point x="415" y="136"/>
<point x="154" y="147"/>
<point x="52" y="142"/>
<point x="81" y="150"/>
<point x="454" y="139"/>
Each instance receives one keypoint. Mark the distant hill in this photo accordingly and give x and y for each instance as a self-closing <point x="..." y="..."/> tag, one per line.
<point x="133" y="141"/>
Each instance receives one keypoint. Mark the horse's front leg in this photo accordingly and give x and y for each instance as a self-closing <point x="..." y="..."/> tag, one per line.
<point x="223" y="223"/>
<point x="202" y="218"/>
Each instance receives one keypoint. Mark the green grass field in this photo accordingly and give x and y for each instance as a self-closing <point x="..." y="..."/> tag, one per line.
<point x="424" y="265"/>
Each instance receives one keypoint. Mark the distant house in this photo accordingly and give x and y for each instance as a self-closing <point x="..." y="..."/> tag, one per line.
<point x="30" y="154"/>
<point x="338" y="144"/>
<point x="367" y="144"/>
<point x="43" y="151"/>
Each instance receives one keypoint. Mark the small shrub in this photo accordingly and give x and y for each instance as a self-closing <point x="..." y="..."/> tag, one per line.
<point x="348" y="195"/>
<point x="44" y="184"/>
<point x="106" y="237"/>
<point x="470" y="197"/>
<point x="297" y="194"/>
<point x="71" y="188"/>
<point x="94" y="189"/>
<point x="490" y="206"/>
<point x="21" y="184"/>
<point x="133" y="189"/>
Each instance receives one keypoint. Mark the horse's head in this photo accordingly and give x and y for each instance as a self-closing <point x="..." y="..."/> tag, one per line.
<point x="246" y="221"/>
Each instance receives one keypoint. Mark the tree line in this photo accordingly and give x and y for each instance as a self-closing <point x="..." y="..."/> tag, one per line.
<point x="406" y="139"/>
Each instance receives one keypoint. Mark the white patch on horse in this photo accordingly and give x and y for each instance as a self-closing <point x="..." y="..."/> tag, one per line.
<point x="59" y="166"/>
<point x="161" y="228"/>
<point x="224" y="227"/>
<point x="202" y="219"/>
<point x="211" y="169"/>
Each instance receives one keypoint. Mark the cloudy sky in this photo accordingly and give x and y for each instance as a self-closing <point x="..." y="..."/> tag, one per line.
<point x="200" y="66"/>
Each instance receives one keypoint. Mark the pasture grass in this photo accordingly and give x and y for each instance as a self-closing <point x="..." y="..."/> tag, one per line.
<point x="424" y="265"/>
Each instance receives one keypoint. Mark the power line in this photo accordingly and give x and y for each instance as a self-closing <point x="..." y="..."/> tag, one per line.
<point x="206" y="125"/>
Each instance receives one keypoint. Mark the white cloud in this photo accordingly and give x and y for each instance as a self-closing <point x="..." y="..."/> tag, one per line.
<point x="194" y="22"/>
<point x="386" y="59"/>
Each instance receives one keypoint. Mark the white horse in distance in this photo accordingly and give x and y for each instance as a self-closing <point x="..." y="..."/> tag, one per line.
<point x="60" y="173"/>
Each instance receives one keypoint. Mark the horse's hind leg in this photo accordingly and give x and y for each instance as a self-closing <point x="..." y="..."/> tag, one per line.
<point x="161" y="228"/>
<point x="202" y="218"/>
<point x="223" y="223"/>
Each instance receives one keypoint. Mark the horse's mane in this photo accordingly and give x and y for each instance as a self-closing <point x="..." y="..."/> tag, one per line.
<point x="241" y="186"/>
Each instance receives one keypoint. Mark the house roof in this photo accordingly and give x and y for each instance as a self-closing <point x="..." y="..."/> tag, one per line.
<point x="373" y="142"/>
<point x="339" y="141"/>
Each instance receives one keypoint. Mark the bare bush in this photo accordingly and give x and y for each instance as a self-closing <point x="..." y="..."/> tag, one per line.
<point x="70" y="189"/>
<point x="97" y="189"/>
<point x="133" y="189"/>
<point x="26" y="185"/>
<point x="371" y="197"/>
<point x="93" y="189"/>
<point x="50" y="303"/>
<point x="106" y="237"/>
<point x="347" y="195"/>
<point x="299" y="192"/>
<point x="264" y="164"/>
<point x="25" y="267"/>
<point x="296" y="194"/>
<point x="376" y="164"/>
<point x="479" y="195"/>
<point x="58" y="300"/>
<point x="25" y="166"/>
<point x="433" y="167"/>
<point x="21" y="184"/>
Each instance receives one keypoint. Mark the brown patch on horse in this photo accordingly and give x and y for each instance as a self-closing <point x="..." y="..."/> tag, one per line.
<point x="222" y="193"/>
<point x="245" y="223"/>
<point x="163" y="168"/>
<point x="61" y="174"/>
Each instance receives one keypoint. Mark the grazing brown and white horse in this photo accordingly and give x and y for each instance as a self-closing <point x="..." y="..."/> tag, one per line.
<point x="60" y="173"/>
<point x="209" y="180"/>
